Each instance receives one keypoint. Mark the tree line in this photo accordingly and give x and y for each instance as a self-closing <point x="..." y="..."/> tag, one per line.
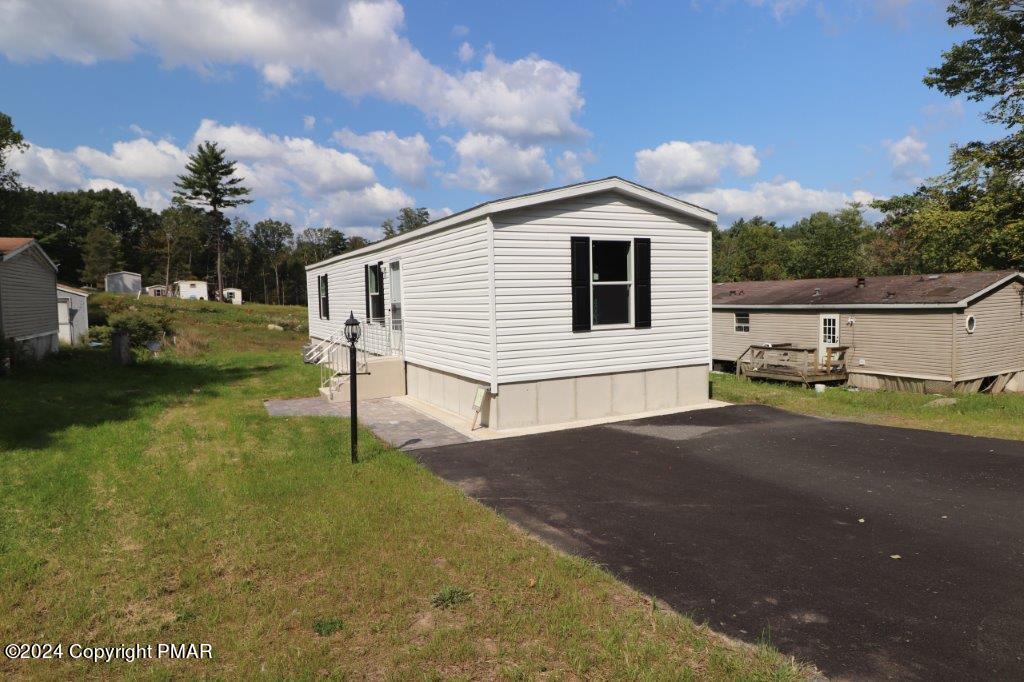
<point x="969" y="218"/>
<point x="90" y="233"/>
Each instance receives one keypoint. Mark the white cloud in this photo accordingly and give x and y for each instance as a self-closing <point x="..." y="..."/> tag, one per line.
<point x="681" y="165"/>
<point x="779" y="8"/>
<point x="908" y="156"/>
<point x="570" y="164"/>
<point x="297" y="178"/>
<point x="308" y="122"/>
<point x="493" y="165"/>
<point x="407" y="157"/>
<point x="466" y="52"/>
<point x="355" y="47"/>
<point x="782" y="200"/>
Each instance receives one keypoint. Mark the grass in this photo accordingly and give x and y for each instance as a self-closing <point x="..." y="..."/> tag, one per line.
<point x="159" y="503"/>
<point x="997" y="416"/>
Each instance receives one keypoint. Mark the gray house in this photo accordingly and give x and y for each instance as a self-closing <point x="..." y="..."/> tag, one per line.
<point x="123" y="282"/>
<point x="28" y="296"/>
<point x="72" y="314"/>
<point x="931" y="333"/>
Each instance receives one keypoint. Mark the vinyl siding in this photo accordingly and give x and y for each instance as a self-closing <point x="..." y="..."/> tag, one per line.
<point x="910" y="343"/>
<point x="78" y="312"/>
<point x="533" y="296"/>
<point x="997" y="344"/>
<point x="797" y="328"/>
<point x="445" y="298"/>
<point x="29" y="289"/>
<point x="123" y="283"/>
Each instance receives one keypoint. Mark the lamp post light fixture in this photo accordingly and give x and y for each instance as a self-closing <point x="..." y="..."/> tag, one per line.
<point x="352" y="335"/>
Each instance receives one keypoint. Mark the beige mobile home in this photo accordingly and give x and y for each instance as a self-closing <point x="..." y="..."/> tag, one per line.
<point x="28" y="296"/>
<point x="575" y="303"/>
<point x="957" y="331"/>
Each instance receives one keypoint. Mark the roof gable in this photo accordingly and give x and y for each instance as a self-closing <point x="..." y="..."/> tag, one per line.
<point x="610" y="184"/>
<point x="13" y="246"/>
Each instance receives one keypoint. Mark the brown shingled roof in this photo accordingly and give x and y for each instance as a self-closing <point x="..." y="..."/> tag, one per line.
<point x="941" y="289"/>
<point x="8" y="244"/>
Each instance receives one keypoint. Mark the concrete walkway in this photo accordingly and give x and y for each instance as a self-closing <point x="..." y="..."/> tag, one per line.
<point x="392" y="422"/>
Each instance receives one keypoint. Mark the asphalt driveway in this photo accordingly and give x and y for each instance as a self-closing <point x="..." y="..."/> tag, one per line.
<point x="871" y="551"/>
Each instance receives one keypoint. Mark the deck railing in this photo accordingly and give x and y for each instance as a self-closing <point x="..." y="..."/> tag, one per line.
<point x="379" y="337"/>
<point x="787" y="362"/>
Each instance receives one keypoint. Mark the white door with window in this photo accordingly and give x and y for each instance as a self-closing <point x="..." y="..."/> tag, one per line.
<point x="828" y="333"/>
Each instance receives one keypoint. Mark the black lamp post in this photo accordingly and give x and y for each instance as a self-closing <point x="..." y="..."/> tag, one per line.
<point x="352" y="335"/>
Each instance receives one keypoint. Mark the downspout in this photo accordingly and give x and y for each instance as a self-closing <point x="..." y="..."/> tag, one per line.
<point x="493" y="309"/>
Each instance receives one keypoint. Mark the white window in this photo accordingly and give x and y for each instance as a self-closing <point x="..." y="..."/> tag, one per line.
<point x="830" y="329"/>
<point x="970" y="324"/>
<point x="742" y="322"/>
<point x="325" y="304"/>
<point x="611" y="281"/>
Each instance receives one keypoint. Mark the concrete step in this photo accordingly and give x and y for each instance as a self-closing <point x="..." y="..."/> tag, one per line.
<point x="384" y="378"/>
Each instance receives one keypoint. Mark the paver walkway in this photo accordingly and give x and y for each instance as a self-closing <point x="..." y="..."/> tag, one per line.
<point x="397" y="424"/>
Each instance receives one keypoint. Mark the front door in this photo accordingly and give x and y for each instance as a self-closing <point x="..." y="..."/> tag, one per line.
<point x="395" y="284"/>
<point x="828" y="333"/>
<point x="64" y="330"/>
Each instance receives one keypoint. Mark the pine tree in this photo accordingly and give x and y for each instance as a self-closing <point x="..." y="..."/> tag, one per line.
<point x="210" y="183"/>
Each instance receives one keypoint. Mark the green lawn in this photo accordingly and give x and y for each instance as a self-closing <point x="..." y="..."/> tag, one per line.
<point x="998" y="416"/>
<point x="159" y="503"/>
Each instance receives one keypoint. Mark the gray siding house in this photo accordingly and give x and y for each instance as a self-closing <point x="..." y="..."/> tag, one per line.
<point x="28" y="296"/>
<point x="72" y="314"/>
<point x="123" y="282"/>
<point x="930" y="333"/>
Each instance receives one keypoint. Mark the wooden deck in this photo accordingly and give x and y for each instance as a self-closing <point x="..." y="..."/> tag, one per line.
<point x="786" y="362"/>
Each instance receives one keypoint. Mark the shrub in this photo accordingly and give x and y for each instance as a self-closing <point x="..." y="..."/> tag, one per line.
<point x="142" y="326"/>
<point x="100" y="333"/>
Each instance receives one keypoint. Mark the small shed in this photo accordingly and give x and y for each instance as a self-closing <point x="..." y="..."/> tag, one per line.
<point x="195" y="289"/>
<point x="28" y="296"/>
<point x="123" y="282"/>
<point x="233" y="295"/>
<point x="156" y="290"/>
<point x="72" y="314"/>
<point x="926" y="333"/>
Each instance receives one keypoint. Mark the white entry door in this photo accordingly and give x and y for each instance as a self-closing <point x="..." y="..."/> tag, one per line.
<point x="828" y="333"/>
<point x="65" y="331"/>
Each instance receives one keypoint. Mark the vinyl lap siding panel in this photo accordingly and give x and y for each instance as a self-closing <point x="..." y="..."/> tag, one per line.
<point x="796" y="328"/>
<point x="905" y="343"/>
<point x="997" y="344"/>
<point x="533" y="295"/>
<point x="445" y="298"/>
<point x="29" y="289"/>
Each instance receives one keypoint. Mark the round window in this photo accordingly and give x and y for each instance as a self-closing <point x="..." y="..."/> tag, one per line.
<point x="970" y="323"/>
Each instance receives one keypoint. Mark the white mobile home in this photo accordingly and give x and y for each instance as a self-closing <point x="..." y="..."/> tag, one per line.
<point x="191" y="289"/>
<point x="123" y="282"/>
<point x="233" y="295"/>
<point x="72" y="314"/>
<point x="156" y="290"/>
<point x="581" y="302"/>
<point x="28" y="296"/>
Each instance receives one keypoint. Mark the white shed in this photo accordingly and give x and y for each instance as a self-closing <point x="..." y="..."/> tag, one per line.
<point x="581" y="302"/>
<point x="156" y="290"/>
<point x="28" y="296"/>
<point x="233" y="295"/>
<point x="123" y="282"/>
<point x="72" y="314"/>
<point x="191" y="288"/>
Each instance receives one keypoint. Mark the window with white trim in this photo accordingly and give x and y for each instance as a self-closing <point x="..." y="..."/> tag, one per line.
<point x="970" y="324"/>
<point x="611" y="281"/>
<point x="325" y="304"/>
<point x="741" y="322"/>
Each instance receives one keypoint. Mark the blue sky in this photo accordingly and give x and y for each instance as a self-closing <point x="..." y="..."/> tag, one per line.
<point x="342" y="112"/>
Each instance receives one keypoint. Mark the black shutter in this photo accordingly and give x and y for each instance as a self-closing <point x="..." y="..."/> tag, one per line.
<point x="580" y="250"/>
<point x="366" y="288"/>
<point x="325" y="301"/>
<point x="642" y="283"/>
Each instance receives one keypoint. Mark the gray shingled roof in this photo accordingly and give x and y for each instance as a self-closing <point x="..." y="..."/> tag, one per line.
<point x="941" y="289"/>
